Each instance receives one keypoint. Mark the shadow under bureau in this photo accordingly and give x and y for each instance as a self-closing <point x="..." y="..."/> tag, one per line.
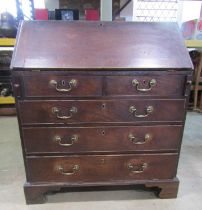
<point x="100" y="104"/>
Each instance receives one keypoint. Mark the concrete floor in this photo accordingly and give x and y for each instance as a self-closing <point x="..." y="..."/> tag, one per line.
<point x="12" y="178"/>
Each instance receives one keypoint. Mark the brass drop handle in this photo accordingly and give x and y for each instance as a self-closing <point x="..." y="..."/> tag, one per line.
<point x="134" y="140"/>
<point x="56" y="111"/>
<point x="133" y="110"/>
<point x="137" y="169"/>
<point x="136" y="84"/>
<point x="63" y="172"/>
<point x="72" y="84"/>
<point x="73" y="139"/>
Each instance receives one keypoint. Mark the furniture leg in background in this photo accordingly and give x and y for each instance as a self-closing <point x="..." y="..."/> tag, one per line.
<point x="198" y="79"/>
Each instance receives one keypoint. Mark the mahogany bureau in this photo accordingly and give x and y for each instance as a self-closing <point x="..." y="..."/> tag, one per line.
<point x="100" y="104"/>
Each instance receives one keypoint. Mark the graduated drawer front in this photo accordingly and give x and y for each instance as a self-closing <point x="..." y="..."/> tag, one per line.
<point x="152" y="85"/>
<point x="96" y="139"/>
<point x="97" y="168"/>
<point x="101" y="111"/>
<point x="62" y="86"/>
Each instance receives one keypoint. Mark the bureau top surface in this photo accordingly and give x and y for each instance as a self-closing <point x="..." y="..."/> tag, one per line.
<point x="99" y="45"/>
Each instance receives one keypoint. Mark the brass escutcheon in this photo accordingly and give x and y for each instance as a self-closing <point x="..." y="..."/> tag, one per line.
<point x="57" y="111"/>
<point x="137" y="169"/>
<point x="74" y="170"/>
<point x="74" y="138"/>
<point x="133" y="110"/>
<point x="72" y="84"/>
<point x="134" y="140"/>
<point x="136" y="83"/>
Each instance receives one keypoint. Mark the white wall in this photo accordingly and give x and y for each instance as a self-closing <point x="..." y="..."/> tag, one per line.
<point x="106" y="10"/>
<point x="190" y="10"/>
<point x="40" y="4"/>
<point x="52" y="4"/>
<point x="8" y="6"/>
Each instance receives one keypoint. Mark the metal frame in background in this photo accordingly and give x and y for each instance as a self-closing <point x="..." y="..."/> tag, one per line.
<point x="20" y="13"/>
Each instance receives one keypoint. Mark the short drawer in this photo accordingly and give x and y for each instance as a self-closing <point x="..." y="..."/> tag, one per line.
<point x="62" y="86"/>
<point x="96" y="168"/>
<point x="165" y="85"/>
<point x="101" y="111"/>
<point x="101" y="139"/>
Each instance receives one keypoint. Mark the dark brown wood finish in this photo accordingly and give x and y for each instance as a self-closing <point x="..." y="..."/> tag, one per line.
<point x="168" y="189"/>
<point x="100" y="45"/>
<point x="92" y="86"/>
<point x="35" y="193"/>
<point x="84" y="86"/>
<point x="101" y="139"/>
<point x="129" y="104"/>
<point x="97" y="111"/>
<point x="164" y="86"/>
<point x="101" y="168"/>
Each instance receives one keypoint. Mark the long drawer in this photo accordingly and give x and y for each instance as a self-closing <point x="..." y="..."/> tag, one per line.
<point x="98" y="139"/>
<point x="101" y="111"/>
<point x="101" y="168"/>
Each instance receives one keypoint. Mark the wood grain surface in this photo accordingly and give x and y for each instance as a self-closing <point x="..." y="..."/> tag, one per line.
<point x="101" y="167"/>
<point x="99" y="45"/>
<point x="100" y="111"/>
<point x="101" y="139"/>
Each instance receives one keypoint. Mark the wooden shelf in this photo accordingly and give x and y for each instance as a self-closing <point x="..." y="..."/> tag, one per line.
<point x="193" y="43"/>
<point x="189" y="43"/>
<point x="7" y="100"/>
<point x="7" y="42"/>
<point x="8" y="111"/>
